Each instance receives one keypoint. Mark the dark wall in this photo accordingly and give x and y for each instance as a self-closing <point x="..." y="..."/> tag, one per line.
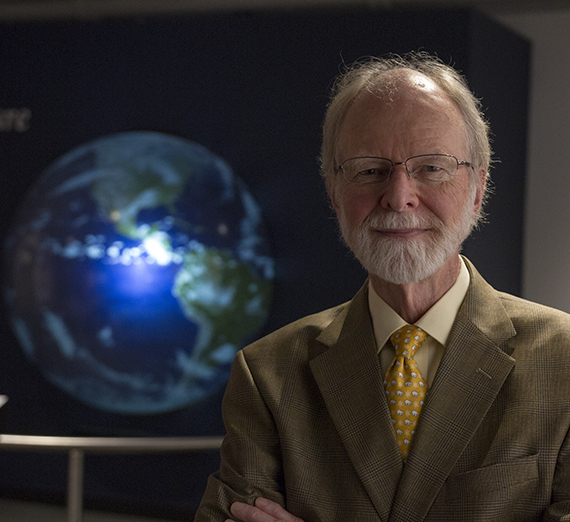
<point x="252" y="88"/>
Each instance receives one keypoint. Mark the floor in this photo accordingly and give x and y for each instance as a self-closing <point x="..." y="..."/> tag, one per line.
<point x="18" y="511"/>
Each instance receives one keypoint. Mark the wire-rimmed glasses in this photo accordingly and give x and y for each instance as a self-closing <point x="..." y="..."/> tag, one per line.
<point x="425" y="168"/>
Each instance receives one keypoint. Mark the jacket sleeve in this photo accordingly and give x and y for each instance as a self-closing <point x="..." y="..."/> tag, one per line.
<point x="559" y="510"/>
<point x="251" y="464"/>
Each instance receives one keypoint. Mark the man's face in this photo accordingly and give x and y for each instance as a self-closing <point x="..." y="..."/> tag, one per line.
<point x="403" y="231"/>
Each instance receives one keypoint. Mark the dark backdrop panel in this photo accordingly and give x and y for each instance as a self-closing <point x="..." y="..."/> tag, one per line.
<point x="252" y="88"/>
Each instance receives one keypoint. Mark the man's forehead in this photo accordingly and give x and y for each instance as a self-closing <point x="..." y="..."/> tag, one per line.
<point x="410" y="105"/>
<point x="415" y="95"/>
<point x="402" y="84"/>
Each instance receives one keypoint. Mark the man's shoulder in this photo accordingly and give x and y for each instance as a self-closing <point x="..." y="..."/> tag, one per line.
<point x="525" y="312"/>
<point x="482" y="302"/>
<point x="296" y="334"/>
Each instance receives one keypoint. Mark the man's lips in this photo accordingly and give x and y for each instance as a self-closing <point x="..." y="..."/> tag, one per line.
<point x="401" y="232"/>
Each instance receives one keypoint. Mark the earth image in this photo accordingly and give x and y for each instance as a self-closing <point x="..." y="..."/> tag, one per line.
<point x="137" y="266"/>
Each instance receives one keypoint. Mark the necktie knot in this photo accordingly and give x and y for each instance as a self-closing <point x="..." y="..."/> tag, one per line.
<point x="407" y="340"/>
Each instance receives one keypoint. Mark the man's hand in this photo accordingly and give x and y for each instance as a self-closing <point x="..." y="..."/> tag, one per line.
<point x="263" y="511"/>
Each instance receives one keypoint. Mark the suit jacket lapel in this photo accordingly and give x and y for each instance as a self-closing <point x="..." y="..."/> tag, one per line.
<point x="468" y="379"/>
<point x="346" y="368"/>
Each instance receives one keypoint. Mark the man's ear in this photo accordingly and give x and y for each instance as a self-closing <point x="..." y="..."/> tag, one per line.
<point x="333" y="199"/>
<point x="332" y="192"/>
<point x="481" y="184"/>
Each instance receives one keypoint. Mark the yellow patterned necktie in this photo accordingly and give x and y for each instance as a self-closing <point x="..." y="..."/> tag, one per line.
<point x="404" y="385"/>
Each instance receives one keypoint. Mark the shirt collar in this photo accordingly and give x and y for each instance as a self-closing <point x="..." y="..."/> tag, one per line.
<point x="437" y="321"/>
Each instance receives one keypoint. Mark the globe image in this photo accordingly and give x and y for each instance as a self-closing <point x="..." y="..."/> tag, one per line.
<point x="136" y="268"/>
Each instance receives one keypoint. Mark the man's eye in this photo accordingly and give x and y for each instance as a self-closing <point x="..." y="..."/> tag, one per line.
<point x="430" y="168"/>
<point x="370" y="172"/>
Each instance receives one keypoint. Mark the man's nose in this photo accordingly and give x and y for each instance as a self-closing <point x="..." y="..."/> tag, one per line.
<point x="400" y="192"/>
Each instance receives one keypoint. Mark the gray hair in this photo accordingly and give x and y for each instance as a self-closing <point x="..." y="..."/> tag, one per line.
<point x="371" y="75"/>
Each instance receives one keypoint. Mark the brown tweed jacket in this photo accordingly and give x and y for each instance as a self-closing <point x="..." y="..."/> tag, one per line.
<point x="308" y="424"/>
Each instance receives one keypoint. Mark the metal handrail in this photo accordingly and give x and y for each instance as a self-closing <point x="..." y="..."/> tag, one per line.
<point x="78" y="446"/>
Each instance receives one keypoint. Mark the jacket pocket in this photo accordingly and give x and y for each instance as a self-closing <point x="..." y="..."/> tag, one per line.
<point x="488" y="482"/>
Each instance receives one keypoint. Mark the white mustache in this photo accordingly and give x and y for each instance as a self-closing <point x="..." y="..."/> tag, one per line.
<point x="397" y="221"/>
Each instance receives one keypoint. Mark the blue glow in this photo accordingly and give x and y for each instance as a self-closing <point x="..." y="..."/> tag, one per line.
<point x="157" y="247"/>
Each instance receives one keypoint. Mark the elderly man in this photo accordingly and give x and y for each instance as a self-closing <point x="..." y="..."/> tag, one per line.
<point x="430" y="395"/>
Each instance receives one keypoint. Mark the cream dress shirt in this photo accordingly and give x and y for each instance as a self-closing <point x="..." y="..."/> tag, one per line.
<point x="437" y="322"/>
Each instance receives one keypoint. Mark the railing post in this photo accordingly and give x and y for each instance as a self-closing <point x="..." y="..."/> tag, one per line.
<point x="75" y="485"/>
<point x="77" y="447"/>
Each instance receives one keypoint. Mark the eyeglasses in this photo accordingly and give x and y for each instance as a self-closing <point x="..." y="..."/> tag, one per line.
<point x="426" y="168"/>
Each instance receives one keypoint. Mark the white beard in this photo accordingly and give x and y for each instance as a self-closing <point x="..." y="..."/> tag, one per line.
<point x="401" y="261"/>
